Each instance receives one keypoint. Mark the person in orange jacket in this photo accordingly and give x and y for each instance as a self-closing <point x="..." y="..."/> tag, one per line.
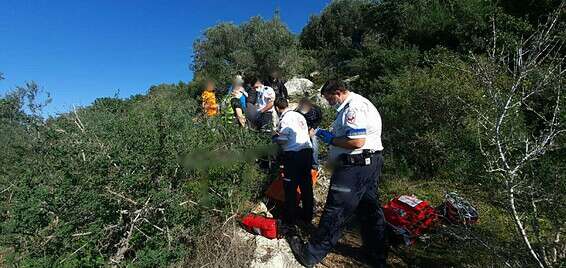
<point x="209" y="105"/>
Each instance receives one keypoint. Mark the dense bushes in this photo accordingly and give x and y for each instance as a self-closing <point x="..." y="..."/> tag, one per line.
<point x="428" y="124"/>
<point x="110" y="181"/>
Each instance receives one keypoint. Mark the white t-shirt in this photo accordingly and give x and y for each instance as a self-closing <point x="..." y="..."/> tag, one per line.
<point x="265" y="95"/>
<point x="293" y="129"/>
<point x="357" y="118"/>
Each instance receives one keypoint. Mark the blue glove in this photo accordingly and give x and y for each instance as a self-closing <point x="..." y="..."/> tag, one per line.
<point x="325" y="135"/>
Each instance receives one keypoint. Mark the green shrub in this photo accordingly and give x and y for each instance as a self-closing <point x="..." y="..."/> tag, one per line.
<point x="109" y="182"/>
<point x="427" y="123"/>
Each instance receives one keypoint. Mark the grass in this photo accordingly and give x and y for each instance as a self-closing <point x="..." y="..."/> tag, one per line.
<point x="221" y="246"/>
<point x="451" y="245"/>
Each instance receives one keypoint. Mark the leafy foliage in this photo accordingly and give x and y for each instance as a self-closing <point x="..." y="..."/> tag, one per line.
<point x="84" y="177"/>
<point x="255" y="48"/>
<point x="428" y="121"/>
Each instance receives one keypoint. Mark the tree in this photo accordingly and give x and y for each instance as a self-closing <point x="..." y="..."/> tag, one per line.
<point x="521" y="123"/>
<point x="255" y="48"/>
<point x="335" y="36"/>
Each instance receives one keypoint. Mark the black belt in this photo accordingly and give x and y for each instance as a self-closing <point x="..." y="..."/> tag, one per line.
<point x="362" y="159"/>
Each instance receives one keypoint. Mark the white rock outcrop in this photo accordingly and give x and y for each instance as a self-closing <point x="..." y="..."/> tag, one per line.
<point x="270" y="253"/>
<point x="298" y="86"/>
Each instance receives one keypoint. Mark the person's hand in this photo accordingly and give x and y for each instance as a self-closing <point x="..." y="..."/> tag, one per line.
<point x="325" y="135"/>
<point x="275" y="136"/>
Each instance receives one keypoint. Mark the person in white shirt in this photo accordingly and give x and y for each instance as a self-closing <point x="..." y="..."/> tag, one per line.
<point x="264" y="105"/>
<point x="355" y="152"/>
<point x="292" y="134"/>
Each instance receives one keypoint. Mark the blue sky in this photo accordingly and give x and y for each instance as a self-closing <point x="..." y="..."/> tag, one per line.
<point x="81" y="50"/>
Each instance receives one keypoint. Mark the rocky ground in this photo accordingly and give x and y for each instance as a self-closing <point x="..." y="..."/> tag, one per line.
<point x="277" y="253"/>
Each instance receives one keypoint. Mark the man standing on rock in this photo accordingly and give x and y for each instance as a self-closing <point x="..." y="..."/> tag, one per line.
<point x="355" y="154"/>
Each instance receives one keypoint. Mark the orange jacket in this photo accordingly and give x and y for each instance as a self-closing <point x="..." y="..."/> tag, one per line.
<point x="209" y="103"/>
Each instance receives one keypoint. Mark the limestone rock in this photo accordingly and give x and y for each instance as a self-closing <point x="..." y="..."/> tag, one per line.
<point x="299" y="86"/>
<point x="270" y="253"/>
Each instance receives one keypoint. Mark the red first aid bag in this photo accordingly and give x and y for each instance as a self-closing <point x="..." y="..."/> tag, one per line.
<point x="260" y="225"/>
<point x="409" y="217"/>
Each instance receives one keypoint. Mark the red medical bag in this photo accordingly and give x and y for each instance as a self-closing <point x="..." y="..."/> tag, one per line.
<point x="409" y="217"/>
<point x="260" y="225"/>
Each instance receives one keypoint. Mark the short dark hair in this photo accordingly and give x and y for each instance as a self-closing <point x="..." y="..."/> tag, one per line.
<point x="332" y="86"/>
<point x="256" y="79"/>
<point x="306" y="100"/>
<point x="281" y="103"/>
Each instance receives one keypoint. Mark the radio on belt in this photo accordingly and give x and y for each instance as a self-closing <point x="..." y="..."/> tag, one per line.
<point x="367" y="156"/>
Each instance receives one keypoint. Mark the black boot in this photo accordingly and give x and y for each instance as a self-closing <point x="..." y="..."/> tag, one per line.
<point x="375" y="260"/>
<point x="298" y="249"/>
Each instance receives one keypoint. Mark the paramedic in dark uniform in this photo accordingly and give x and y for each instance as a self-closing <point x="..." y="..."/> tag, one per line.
<point x="292" y="134"/>
<point x="355" y="154"/>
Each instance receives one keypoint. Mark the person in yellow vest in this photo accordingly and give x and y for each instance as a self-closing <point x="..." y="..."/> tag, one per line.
<point x="209" y="105"/>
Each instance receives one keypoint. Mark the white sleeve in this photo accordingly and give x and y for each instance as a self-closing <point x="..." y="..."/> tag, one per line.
<point x="283" y="130"/>
<point x="355" y="123"/>
<point x="269" y="94"/>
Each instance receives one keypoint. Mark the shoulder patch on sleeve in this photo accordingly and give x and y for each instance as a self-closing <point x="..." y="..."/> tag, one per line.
<point x="351" y="116"/>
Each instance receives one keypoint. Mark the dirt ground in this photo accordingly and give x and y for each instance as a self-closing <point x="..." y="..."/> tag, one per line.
<point x="347" y="252"/>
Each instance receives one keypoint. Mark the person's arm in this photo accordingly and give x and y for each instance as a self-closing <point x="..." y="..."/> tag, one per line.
<point x="312" y="132"/>
<point x="270" y="95"/>
<point x="283" y="90"/>
<point x="355" y="122"/>
<point x="267" y="107"/>
<point x="347" y="143"/>
<point x="283" y="133"/>
<point x="317" y="116"/>
<point x="280" y="141"/>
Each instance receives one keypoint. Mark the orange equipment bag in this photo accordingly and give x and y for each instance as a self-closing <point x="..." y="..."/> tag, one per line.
<point x="260" y="225"/>
<point x="276" y="192"/>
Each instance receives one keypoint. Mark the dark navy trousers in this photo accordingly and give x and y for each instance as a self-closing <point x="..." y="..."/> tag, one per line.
<point x="297" y="168"/>
<point x="353" y="191"/>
